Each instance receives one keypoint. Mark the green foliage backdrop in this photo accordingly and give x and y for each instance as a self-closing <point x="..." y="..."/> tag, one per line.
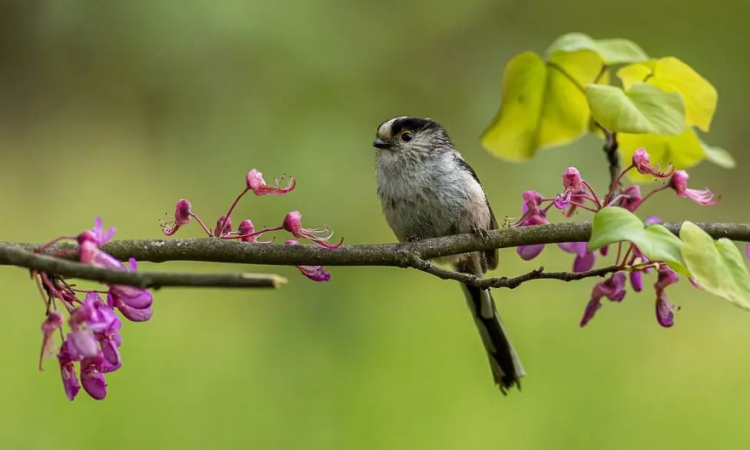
<point x="119" y="109"/>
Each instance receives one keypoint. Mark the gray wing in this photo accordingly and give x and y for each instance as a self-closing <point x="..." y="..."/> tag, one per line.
<point x="490" y="255"/>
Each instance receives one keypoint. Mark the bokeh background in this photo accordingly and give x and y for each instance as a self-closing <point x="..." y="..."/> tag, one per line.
<point x="118" y="109"/>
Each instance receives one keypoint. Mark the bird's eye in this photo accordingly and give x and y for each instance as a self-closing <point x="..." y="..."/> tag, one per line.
<point x="406" y="136"/>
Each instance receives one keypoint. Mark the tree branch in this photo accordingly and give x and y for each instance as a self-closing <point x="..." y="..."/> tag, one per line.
<point x="22" y="257"/>
<point x="514" y="282"/>
<point x="414" y="255"/>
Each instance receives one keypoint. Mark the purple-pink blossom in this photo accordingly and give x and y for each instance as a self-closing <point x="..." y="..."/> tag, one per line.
<point x="664" y="308"/>
<point x="642" y="163"/>
<point x="613" y="288"/>
<point x="678" y="182"/>
<point x="91" y="347"/>
<point x="630" y="198"/>
<point x="584" y="260"/>
<point x="321" y="236"/>
<point x="258" y="185"/>
<point x="315" y="273"/>
<point x="531" y="214"/>
<point x="223" y="226"/>
<point x="68" y="371"/>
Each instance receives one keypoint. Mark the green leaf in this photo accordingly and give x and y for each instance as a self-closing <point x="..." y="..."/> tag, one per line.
<point x="543" y="104"/>
<point x="717" y="266"/>
<point x="642" y="109"/>
<point x="672" y="75"/>
<point x="612" y="51"/>
<point x="682" y="150"/>
<point x="614" y="224"/>
<point x="718" y="156"/>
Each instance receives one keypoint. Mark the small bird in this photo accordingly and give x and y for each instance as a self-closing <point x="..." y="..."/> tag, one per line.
<point x="427" y="190"/>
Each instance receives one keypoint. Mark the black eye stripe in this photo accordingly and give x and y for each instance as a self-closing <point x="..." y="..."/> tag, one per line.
<point x="413" y="124"/>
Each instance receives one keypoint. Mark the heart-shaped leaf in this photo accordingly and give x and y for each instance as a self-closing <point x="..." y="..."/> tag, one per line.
<point x="614" y="224"/>
<point x="717" y="266"/>
<point x="612" y="51"/>
<point x="543" y="103"/>
<point x="642" y="109"/>
<point x="672" y="75"/>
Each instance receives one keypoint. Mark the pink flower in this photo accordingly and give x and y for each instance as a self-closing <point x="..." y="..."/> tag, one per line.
<point x="584" y="259"/>
<point x="90" y="240"/>
<point x="246" y="232"/>
<point x="68" y="371"/>
<point x="531" y="214"/>
<point x="52" y="323"/>
<point x="631" y="198"/>
<point x="257" y="184"/>
<point x="636" y="280"/>
<point x="182" y="213"/>
<point x="664" y="308"/>
<point x="315" y="273"/>
<point x="613" y="288"/>
<point x="134" y="303"/>
<point x="223" y="226"/>
<point x="642" y="164"/>
<point x="92" y="377"/>
<point x="574" y="194"/>
<point x="293" y="224"/>
<point x="678" y="182"/>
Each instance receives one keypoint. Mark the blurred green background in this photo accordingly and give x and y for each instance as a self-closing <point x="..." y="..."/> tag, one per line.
<point x="119" y="109"/>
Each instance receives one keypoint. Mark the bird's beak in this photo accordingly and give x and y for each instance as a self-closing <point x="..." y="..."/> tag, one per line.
<point x="380" y="143"/>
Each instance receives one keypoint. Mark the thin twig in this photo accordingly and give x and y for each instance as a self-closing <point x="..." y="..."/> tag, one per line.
<point x="514" y="282"/>
<point x="18" y="256"/>
<point x="610" y="150"/>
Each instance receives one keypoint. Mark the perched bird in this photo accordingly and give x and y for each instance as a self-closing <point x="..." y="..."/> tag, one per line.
<point x="427" y="190"/>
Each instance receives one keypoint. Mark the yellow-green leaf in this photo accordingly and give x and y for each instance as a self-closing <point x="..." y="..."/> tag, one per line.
<point x="717" y="266"/>
<point x="642" y="109"/>
<point x="682" y="150"/>
<point x="672" y="75"/>
<point x="718" y="156"/>
<point x="612" y="51"/>
<point x="614" y="224"/>
<point x="543" y="104"/>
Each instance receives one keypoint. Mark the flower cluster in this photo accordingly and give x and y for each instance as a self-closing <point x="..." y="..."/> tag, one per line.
<point x="94" y="338"/>
<point x="578" y="194"/>
<point x="246" y="231"/>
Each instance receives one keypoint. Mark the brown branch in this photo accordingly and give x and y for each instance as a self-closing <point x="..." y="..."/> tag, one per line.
<point x="510" y="283"/>
<point x="413" y="255"/>
<point x="398" y="255"/>
<point x="613" y="159"/>
<point x="18" y="256"/>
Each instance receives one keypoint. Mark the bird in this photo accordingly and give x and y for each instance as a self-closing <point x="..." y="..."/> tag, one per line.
<point x="427" y="190"/>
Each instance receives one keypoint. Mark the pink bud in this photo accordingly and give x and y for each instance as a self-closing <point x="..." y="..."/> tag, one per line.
<point x="641" y="161"/>
<point x="93" y="381"/>
<point x="642" y="164"/>
<point x="182" y="212"/>
<point x="679" y="181"/>
<point x="572" y="179"/>
<point x="293" y="223"/>
<point x="254" y="180"/>
<point x="246" y="227"/>
<point x="529" y="252"/>
<point x="532" y="198"/>
<point x="52" y="322"/>
<point x="223" y="226"/>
